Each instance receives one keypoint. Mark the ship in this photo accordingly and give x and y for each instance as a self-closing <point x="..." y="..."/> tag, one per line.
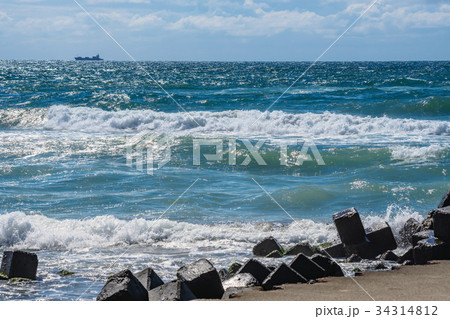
<point x="94" y="58"/>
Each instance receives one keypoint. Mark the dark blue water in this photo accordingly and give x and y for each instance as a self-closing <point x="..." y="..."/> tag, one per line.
<point x="66" y="191"/>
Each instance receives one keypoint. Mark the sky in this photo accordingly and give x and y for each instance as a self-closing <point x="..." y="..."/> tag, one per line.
<point x="226" y="30"/>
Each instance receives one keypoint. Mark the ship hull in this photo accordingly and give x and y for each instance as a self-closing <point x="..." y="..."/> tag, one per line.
<point x="88" y="59"/>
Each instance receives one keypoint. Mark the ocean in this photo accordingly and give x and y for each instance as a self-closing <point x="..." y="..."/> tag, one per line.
<point x="102" y="170"/>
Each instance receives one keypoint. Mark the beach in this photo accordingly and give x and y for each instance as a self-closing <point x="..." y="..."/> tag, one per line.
<point x="407" y="283"/>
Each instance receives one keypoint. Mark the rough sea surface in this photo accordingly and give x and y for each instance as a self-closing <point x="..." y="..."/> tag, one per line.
<point x="67" y="193"/>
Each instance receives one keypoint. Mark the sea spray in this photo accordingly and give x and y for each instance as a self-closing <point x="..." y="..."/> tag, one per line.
<point x="226" y="123"/>
<point x="25" y="231"/>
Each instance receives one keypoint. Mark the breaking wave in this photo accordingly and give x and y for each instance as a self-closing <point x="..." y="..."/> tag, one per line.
<point x="418" y="153"/>
<point x="239" y="123"/>
<point x="23" y="231"/>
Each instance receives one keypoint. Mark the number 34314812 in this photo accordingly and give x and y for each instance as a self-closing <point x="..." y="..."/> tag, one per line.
<point x="405" y="310"/>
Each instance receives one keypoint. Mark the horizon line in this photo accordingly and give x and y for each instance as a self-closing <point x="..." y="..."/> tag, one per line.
<point x="225" y="61"/>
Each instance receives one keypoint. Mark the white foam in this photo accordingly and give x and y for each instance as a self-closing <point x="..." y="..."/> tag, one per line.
<point x="24" y="231"/>
<point x="276" y="123"/>
<point x="57" y="145"/>
<point x="395" y="216"/>
<point x="23" y="117"/>
<point x="238" y="123"/>
<point x="20" y="230"/>
<point x="418" y="153"/>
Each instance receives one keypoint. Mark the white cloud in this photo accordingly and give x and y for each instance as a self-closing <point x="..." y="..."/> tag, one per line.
<point x="418" y="18"/>
<point x="145" y="21"/>
<point x="246" y="18"/>
<point x="39" y="25"/>
<point x="257" y="7"/>
<point x="266" y="23"/>
<point x="393" y="18"/>
<point x="358" y="8"/>
<point x="4" y="17"/>
<point x="385" y="16"/>
<point x="129" y="20"/>
<point x="116" y="1"/>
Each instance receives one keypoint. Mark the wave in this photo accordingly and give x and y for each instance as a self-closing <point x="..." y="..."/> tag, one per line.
<point x="240" y="123"/>
<point x="418" y="153"/>
<point x="22" y="118"/>
<point x="408" y="81"/>
<point x="434" y="106"/>
<point x="21" y="231"/>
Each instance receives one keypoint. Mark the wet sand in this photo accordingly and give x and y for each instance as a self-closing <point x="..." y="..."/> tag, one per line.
<point x="419" y="282"/>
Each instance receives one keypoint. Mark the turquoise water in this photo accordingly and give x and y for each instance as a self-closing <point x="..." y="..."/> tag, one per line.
<point x="66" y="191"/>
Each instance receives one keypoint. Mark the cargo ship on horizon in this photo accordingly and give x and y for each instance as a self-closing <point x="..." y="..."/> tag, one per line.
<point x="94" y="58"/>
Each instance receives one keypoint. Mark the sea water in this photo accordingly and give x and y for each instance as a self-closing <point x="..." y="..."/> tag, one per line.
<point x="69" y="193"/>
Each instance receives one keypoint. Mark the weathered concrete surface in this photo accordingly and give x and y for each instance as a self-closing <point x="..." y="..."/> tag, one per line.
<point x="306" y="267"/>
<point x="331" y="267"/>
<point x="445" y="201"/>
<point x="175" y="290"/>
<point x="149" y="278"/>
<point x="382" y="238"/>
<point x="349" y="226"/>
<point x="266" y="246"/>
<point x="19" y="264"/>
<point x="301" y="248"/>
<point x="441" y="223"/>
<point x="123" y="286"/>
<point x="242" y="280"/>
<point x="202" y="279"/>
<point x="335" y="251"/>
<point x="283" y="274"/>
<point x="256" y="269"/>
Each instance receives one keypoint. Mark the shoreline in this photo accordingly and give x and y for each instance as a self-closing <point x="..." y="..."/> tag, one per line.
<point x="406" y="283"/>
<point x="322" y="278"/>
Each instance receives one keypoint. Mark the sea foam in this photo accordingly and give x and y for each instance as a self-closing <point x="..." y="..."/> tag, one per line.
<point x="25" y="231"/>
<point x="418" y="153"/>
<point x="246" y="123"/>
<point x="241" y="123"/>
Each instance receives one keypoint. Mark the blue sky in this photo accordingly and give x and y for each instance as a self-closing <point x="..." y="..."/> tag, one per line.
<point x="226" y="30"/>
